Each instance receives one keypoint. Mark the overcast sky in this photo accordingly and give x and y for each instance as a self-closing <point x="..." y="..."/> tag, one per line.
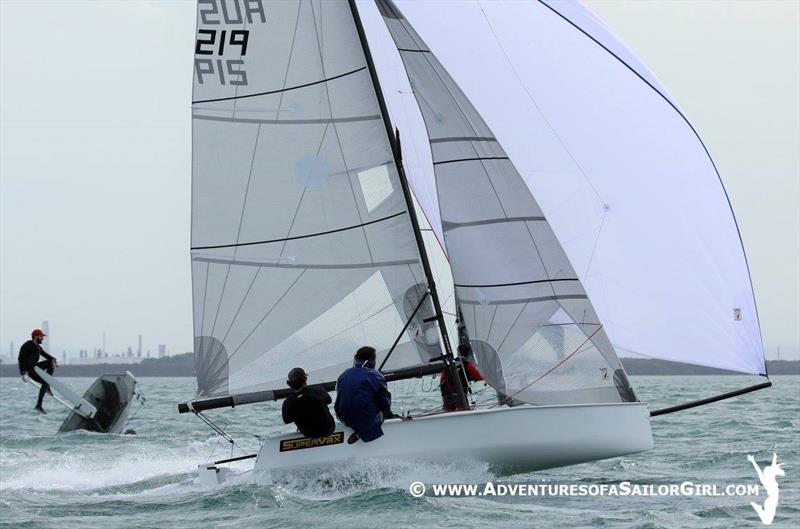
<point x="95" y="156"/>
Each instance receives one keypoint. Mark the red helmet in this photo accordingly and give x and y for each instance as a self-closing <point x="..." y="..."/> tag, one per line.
<point x="37" y="332"/>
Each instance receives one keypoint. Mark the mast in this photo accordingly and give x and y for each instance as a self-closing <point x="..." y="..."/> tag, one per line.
<point x="394" y="137"/>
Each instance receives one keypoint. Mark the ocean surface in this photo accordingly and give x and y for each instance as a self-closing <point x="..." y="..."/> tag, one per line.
<point x="148" y="480"/>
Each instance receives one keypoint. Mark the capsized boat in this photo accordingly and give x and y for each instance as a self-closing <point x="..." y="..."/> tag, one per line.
<point x="603" y="227"/>
<point x="113" y="396"/>
<point x="105" y="407"/>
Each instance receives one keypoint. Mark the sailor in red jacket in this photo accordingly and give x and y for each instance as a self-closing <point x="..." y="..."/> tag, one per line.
<point x="449" y="393"/>
<point x="29" y="359"/>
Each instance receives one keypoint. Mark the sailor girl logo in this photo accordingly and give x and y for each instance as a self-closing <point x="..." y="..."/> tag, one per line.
<point x="768" y="477"/>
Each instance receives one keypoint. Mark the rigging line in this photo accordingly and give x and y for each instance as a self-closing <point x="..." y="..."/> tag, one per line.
<point x="281" y="90"/>
<point x="300" y="236"/>
<point x="408" y="322"/>
<point x="511" y="327"/>
<point x="203" y="312"/>
<point x="554" y="366"/>
<point x="241" y="304"/>
<point x="596" y="240"/>
<point x="491" y="324"/>
<point x="302" y="195"/>
<point x="541" y="113"/>
<point x="474" y="316"/>
<point x="236" y="350"/>
<point x="289" y="61"/>
<point x="518" y="283"/>
<point x="336" y="131"/>
<point x="219" y="431"/>
<point x="277" y="116"/>
<point x="239" y="229"/>
<point x="343" y="331"/>
<point x="360" y="322"/>
<point x="241" y="50"/>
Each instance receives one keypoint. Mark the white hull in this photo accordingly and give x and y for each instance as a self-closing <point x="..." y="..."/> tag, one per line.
<point x="524" y="438"/>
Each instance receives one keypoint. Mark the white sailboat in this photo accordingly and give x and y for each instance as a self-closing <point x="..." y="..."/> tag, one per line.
<point x="605" y="225"/>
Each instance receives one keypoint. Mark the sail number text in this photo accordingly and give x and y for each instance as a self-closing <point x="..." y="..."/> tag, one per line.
<point x="216" y="42"/>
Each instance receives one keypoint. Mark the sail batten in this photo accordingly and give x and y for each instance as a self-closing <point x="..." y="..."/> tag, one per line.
<point x="280" y="90"/>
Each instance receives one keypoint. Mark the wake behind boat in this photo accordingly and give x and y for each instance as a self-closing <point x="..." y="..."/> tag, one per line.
<point x="310" y="239"/>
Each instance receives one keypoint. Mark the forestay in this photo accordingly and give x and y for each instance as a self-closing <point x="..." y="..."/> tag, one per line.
<point x="302" y="247"/>
<point x="620" y="173"/>
<point x="534" y="332"/>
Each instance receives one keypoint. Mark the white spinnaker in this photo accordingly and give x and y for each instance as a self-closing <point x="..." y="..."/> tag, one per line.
<point x="302" y="246"/>
<point x="622" y="177"/>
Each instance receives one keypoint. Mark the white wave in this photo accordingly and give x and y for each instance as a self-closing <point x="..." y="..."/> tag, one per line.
<point x="355" y="477"/>
<point x="92" y="469"/>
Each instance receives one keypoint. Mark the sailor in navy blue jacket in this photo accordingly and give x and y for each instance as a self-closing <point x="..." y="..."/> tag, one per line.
<point x="362" y="399"/>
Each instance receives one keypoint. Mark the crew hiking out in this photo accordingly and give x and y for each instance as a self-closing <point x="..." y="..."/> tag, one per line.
<point x="307" y="407"/>
<point x="363" y="400"/>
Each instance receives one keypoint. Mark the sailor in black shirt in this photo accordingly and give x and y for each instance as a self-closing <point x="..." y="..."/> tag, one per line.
<point x="307" y="407"/>
<point x="29" y="358"/>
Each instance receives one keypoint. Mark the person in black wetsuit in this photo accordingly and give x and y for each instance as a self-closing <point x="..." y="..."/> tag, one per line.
<point x="29" y="358"/>
<point x="307" y="407"/>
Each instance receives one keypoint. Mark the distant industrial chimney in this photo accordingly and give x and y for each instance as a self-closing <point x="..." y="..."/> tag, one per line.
<point x="46" y="329"/>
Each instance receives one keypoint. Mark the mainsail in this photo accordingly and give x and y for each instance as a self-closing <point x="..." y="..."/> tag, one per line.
<point x="534" y="332"/>
<point x="621" y="174"/>
<point x="302" y="243"/>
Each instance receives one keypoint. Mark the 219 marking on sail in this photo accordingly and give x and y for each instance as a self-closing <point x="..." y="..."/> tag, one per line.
<point x="238" y="13"/>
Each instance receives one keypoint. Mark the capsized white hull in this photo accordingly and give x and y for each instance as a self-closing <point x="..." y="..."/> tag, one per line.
<point x="518" y="439"/>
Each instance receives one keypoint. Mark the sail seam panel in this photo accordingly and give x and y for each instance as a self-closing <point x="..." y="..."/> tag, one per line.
<point x="447" y="226"/>
<point x="524" y="300"/>
<point x="351" y="119"/>
<point x="462" y="138"/>
<point x="344" y="266"/>
<point x="516" y="284"/>
<point x="471" y="159"/>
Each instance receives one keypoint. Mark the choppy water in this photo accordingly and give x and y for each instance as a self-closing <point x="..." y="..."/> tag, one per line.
<point x="149" y="480"/>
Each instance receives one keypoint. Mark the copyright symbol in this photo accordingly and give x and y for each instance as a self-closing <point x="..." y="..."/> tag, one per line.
<point x="417" y="489"/>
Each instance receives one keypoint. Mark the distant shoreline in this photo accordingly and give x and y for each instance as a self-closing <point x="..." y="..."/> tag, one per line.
<point x="183" y="366"/>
